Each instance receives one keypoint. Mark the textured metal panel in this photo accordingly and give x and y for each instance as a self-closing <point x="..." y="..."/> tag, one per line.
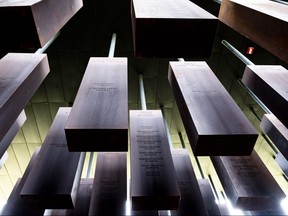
<point x="214" y="123"/>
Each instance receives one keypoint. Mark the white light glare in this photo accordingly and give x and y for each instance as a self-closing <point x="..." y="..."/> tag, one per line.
<point x="233" y="211"/>
<point x="2" y="204"/>
<point x="284" y="205"/>
<point x="128" y="207"/>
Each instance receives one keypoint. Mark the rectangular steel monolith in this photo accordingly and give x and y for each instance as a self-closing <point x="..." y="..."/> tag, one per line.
<point x="99" y="117"/>
<point x="54" y="180"/>
<point x="21" y="74"/>
<point x="248" y="183"/>
<point x="165" y="29"/>
<point x="154" y="184"/>
<point x="214" y="123"/>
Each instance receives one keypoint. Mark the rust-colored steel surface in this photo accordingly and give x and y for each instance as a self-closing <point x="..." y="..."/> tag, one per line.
<point x="30" y="24"/>
<point x="154" y="184"/>
<point x="99" y="117"/>
<point x="11" y="133"/>
<point x="54" y="180"/>
<point x="248" y="183"/>
<point x="167" y="28"/>
<point x="276" y="131"/>
<point x="191" y="202"/>
<point x="214" y="123"/>
<point x="21" y="74"/>
<point x="264" y="22"/>
<point x="269" y="84"/>
<point x="109" y="192"/>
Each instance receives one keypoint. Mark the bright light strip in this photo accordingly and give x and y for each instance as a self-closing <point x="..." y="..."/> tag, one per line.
<point x="2" y="204"/>
<point x="231" y="209"/>
<point x="128" y="205"/>
<point x="284" y="205"/>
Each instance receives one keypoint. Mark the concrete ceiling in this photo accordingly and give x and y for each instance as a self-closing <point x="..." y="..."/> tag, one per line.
<point x="88" y="34"/>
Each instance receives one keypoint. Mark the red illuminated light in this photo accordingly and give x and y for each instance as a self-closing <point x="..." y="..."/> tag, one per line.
<point x="250" y="50"/>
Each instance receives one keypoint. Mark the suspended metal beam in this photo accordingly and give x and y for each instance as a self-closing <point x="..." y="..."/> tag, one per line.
<point x="43" y="49"/>
<point x="112" y="46"/>
<point x="245" y="60"/>
<point x="218" y="1"/>
<point x="142" y="93"/>
<point x="259" y="102"/>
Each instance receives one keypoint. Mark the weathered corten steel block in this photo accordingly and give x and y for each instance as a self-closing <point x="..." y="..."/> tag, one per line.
<point x="109" y="192"/>
<point x="82" y="201"/>
<point x="54" y="180"/>
<point x="98" y="120"/>
<point x="276" y="131"/>
<point x="21" y="74"/>
<point x="215" y="125"/>
<point x="191" y="202"/>
<point x="248" y="183"/>
<point x="264" y="22"/>
<point x="6" y="141"/>
<point x="15" y="205"/>
<point x="30" y="24"/>
<point x="269" y="84"/>
<point x="154" y="184"/>
<point x="167" y="28"/>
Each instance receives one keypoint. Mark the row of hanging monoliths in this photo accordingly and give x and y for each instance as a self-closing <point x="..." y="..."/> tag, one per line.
<point x="93" y="126"/>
